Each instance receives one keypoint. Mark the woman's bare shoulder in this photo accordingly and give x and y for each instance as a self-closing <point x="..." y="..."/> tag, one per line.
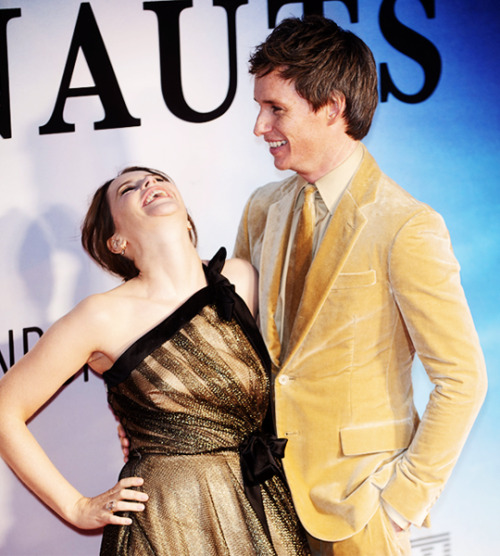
<point x="239" y="269"/>
<point x="245" y="279"/>
<point x="100" y="308"/>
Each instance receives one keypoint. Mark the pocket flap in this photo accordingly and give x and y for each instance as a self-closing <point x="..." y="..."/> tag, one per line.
<point x="376" y="437"/>
<point x="355" y="279"/>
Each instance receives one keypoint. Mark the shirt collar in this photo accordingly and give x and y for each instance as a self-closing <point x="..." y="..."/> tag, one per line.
<point x="332" y="185"/>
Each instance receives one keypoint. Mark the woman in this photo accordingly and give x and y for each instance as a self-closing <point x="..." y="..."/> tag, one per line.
<point x="187" y="375"/>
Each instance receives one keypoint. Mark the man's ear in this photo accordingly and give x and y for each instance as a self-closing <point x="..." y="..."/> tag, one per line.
<point x="116" y="244"/>
<point x="336" y="107"/>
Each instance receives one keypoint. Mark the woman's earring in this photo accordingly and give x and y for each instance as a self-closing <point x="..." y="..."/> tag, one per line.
<point x="119" y="246"/>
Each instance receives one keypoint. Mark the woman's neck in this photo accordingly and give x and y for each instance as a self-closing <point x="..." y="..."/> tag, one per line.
<point x="169" y="269"/>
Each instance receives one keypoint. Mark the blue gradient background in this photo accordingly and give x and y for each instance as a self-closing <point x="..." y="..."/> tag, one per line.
<point x="445" y="151"/>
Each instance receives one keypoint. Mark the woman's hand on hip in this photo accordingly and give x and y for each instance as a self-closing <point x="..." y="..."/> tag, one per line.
<point x="93" y="513"/>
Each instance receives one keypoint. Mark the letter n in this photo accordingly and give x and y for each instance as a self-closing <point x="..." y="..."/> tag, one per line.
<point x="88" y="38"/>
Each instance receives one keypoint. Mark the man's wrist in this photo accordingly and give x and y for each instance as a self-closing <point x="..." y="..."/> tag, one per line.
<point x="395" y="516"/>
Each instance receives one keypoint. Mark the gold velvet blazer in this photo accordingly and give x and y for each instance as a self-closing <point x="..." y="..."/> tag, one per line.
<point x="383" y="286"/>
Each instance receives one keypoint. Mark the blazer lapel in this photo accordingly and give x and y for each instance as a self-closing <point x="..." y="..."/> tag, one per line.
<point x="274" y="246"/>
<point x="340" y="237"/>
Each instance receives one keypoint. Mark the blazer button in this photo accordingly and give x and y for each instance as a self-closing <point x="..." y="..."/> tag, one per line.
<point x="283" y="379"/>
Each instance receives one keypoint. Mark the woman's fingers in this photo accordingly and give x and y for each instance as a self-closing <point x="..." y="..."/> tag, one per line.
<point x="115" y="498"/>
<point x="124" y="506"/>
<point x="122" y="498"/>
<point x="104" y="509"/>
<point x="124" y="442"/>
<point x="125" y="491"/>
<point x="129" y="482"/>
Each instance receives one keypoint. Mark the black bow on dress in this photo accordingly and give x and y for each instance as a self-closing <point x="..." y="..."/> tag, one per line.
<point x="260" y="455"/>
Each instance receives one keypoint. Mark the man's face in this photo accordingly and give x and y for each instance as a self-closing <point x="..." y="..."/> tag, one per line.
<point x="298" y="137"/>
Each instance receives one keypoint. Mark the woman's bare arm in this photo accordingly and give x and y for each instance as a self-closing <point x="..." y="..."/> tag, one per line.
<point x="26" y="387"/>
<point x="245" y="279"/>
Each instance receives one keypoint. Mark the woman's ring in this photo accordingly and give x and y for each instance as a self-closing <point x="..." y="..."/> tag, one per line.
<point x="110" y="506"/>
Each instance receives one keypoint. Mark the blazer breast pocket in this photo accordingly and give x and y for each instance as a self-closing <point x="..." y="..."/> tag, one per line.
<point x="355" y="280"/>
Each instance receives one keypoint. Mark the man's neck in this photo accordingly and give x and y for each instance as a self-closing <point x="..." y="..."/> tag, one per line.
<point x="341" y="151"/>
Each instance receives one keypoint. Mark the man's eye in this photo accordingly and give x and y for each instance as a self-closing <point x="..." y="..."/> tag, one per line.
<point x="276" y="109"/>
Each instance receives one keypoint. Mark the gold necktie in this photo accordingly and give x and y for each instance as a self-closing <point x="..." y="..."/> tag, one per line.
<point x="300" y="261"/>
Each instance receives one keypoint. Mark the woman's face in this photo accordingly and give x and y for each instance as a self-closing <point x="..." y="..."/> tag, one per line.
<point x="139" y="195"/>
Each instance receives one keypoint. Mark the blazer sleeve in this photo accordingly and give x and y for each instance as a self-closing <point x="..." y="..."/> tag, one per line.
<point x="242" y="245"/>
<point x="425" y="278"/>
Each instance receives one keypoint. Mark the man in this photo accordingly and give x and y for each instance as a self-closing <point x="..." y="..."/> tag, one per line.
<point x="342" y="328"/>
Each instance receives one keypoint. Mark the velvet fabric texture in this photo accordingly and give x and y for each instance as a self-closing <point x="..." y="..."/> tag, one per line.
<point x="383" y="287"/>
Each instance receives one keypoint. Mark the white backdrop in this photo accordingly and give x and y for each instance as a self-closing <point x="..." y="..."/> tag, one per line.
<point x="443" y="150"/>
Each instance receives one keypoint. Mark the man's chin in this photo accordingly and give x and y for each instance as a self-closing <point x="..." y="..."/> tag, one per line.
<point x="281" y="164"/>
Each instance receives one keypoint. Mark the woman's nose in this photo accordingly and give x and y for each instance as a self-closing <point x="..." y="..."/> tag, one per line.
<point x="147" y="181"/>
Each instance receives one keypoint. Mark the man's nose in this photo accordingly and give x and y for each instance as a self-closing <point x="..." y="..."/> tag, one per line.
<point x="261" y="125"/>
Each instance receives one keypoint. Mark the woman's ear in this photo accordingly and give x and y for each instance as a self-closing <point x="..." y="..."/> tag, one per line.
<point x="117" y="245"/>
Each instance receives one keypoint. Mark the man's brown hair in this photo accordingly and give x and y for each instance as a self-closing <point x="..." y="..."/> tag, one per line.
<point x="322" y="60"/>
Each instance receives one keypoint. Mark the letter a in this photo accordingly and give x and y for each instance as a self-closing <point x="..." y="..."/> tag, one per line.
<point x="88" y="38"/>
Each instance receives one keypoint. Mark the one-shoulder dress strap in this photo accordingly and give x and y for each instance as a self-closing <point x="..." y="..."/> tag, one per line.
<point x="229" y="304"/>
<point x="223" y="292"/>
<point x="217" y="262"/>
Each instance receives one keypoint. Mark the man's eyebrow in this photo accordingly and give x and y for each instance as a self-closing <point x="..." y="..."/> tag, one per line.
<point x="270" y="101"/>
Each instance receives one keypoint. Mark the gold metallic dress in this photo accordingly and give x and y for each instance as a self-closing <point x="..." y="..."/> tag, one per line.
<point x="192" y="395"/>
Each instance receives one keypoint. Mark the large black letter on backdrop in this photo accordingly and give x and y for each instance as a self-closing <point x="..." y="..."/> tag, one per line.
<point x="3" y="364"/>
<point x="311" y="7"/>
<point x="88" y="38"/>
<point x="26" y="332"/>
<point x="168" y="13"/>
<point x="415" y="46"/>
<point x="5" y="124"/>
<point x="26" y="347"/>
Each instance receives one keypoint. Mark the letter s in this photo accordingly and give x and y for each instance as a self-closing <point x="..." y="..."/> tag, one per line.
<point x="415" y="46"/>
